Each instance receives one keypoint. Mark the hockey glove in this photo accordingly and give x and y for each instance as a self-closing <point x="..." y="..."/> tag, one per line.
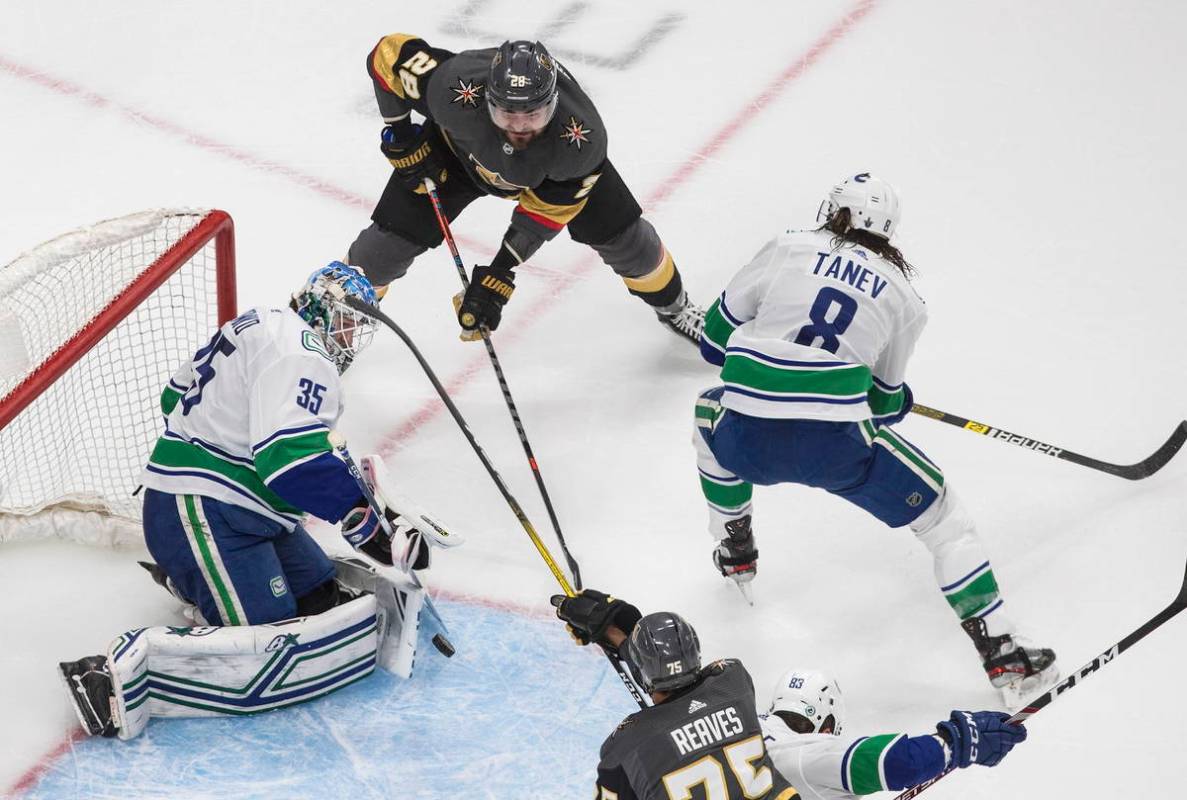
<point x="416" y="153"/>
<point x="482" y="305"/>
<point x="591" y="612"/>
<point x="980" y="737"/>
<point x="901" y="414"/>
<point x="361" y="528"/>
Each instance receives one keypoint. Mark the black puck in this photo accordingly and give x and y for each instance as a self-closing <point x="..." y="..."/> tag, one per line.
<point x="443" y="645"/>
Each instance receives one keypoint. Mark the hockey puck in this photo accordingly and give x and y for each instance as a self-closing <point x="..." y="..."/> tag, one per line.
<point x="443" y="645"/>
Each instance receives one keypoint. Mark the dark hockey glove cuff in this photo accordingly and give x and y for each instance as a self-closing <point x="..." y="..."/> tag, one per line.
<point x="980" y="737"/>
<point x="415" y="152"/>
<point x="482" y="305"/>
<point x="591" y="612"/>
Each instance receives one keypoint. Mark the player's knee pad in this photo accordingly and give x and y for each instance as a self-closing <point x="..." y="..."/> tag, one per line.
<point x="212" y="671"/>
<point x="944" y="522"/>
<point x="382" y="254"/>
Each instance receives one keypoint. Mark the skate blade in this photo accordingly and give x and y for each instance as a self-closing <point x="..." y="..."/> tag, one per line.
<point x="746" y="590"/>
<point x="1016" y="695"/>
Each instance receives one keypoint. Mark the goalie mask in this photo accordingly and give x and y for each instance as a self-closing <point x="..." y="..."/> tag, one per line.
<point x="320" y="302"/>
<point x="809" y="701"/>
<point x="872" y="202"/>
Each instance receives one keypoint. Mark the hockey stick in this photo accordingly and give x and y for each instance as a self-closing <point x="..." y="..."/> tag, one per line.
<point x="506" y="390"/>
<point x="1142" y="469"/>
<point x="440" y="640"/>
<point x="557" y="572"/>
<point x="1073" y="680"/>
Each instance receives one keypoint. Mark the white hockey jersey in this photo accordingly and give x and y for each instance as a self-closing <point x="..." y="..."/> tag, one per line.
<point x="809" y="331"/>
<point x="825" y="767"/>
<point x="247" y="421"/>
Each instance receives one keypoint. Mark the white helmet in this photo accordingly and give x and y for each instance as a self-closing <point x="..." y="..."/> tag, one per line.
<point x="872" y="202"/>
<point x="806" y="700"/>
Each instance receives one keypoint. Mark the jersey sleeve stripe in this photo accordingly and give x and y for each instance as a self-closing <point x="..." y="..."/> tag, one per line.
<point x="845" y="764"/>
<point x="255" y="448"/>
<point x="717" y="327"/>
<point x="729" y="315"/>
<point x="287" y="452"/>
<point x="866" y="764"/>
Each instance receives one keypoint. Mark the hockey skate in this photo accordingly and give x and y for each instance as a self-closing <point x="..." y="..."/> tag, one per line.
<point x="91" y="693"/>
<point x="736" y="556"/>
<point x="1017" y="669"/>
<point x="189" y="608"/>
<point x="685" y="318"/>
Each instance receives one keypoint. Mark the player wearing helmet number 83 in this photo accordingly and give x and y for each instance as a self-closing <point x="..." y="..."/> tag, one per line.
<point x="804" y="733"/>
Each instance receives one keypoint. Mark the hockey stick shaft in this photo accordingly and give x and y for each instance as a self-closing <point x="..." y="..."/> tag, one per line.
<point x="556" y="571"/>
<point x="339" y="444"/>
<point x="1080" y="675"/>
<point x="1142" y="469"/>
<point x="443" y="222"/>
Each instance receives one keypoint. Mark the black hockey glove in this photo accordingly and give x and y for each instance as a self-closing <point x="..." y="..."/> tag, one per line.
<point x="416" y="153"/>
<point x="591" y="612"/>
<point x="489" y="290"/>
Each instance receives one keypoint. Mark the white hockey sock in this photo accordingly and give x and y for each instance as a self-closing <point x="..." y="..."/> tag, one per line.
<point x="962" y="567"/>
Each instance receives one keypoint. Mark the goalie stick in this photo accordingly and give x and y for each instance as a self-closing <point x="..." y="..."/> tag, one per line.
<point x="1142" y="469"/>
<point x="443" y="222"/>
<point x="1077" y="677"/>
<point x="440" y="640"/>
<point x="556" y="571"/>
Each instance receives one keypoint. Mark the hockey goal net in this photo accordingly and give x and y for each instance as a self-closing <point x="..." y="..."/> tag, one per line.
<point x="92" y="324"/>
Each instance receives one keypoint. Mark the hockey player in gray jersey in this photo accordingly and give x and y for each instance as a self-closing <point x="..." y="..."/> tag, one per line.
<point x="804" y="734"/>
<point x="813" y="338"/>
<point x="510" y="122"/>
<point x="703" y="730"/>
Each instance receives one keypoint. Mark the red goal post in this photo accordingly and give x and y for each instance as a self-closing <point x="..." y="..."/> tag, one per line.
<point x="92" y="324"/>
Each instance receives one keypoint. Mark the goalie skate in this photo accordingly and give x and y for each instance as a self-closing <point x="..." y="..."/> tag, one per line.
<point x="88" y="682"/>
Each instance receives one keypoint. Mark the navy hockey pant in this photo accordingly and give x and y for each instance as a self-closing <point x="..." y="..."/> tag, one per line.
<point x="871" y="467"/>
<point x="238" y="567"/>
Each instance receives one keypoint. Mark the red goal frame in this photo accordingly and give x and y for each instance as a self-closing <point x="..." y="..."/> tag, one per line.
<point x="216" y="225"/>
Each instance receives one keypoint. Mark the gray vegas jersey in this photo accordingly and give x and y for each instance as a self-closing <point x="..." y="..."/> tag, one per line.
<point x="705" y="736"/>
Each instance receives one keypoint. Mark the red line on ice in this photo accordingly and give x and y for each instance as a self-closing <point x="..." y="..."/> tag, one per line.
<point x="34" y="773"/>
<point x="559" y="284"/>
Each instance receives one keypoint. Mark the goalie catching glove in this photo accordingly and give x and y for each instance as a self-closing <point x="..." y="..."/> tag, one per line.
<point x="591" y="612"/>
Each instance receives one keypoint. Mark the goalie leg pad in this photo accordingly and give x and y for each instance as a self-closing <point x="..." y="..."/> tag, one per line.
<point x="208" y="671"/>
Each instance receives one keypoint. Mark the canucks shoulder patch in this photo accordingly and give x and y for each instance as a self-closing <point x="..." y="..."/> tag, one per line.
<point x="311" y="341"/>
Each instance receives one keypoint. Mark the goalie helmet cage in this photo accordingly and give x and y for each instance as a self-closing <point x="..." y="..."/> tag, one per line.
<point x="92" y="325"/>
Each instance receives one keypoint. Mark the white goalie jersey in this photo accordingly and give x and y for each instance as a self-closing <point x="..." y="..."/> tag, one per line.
<point x="809" y="330"/>
<point x="247" y="421"/>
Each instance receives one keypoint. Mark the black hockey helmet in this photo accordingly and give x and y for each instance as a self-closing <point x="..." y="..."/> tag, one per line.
<point x="522" y="80"/>
<point x="666" y="652"/>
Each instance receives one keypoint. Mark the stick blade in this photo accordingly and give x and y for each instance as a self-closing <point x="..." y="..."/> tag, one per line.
<point x="1160" y="457"/>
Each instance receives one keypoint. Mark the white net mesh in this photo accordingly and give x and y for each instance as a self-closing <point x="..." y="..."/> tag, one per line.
<point x="80" y="445"/>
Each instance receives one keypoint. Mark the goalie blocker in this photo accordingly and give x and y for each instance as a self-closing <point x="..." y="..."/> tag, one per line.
<point x="213" y="671"/>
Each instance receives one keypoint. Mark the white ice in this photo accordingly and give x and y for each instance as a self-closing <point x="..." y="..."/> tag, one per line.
<point x="1038" y="149"/>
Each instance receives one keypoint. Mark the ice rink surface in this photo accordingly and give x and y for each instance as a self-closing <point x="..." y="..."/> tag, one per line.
<point x="1038" y="150"/>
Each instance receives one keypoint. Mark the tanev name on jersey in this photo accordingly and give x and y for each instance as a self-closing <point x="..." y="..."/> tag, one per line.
<point x="856" y="275"/>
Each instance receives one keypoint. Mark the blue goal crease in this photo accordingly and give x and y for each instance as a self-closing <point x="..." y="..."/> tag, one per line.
<point x="519" y="711"/>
